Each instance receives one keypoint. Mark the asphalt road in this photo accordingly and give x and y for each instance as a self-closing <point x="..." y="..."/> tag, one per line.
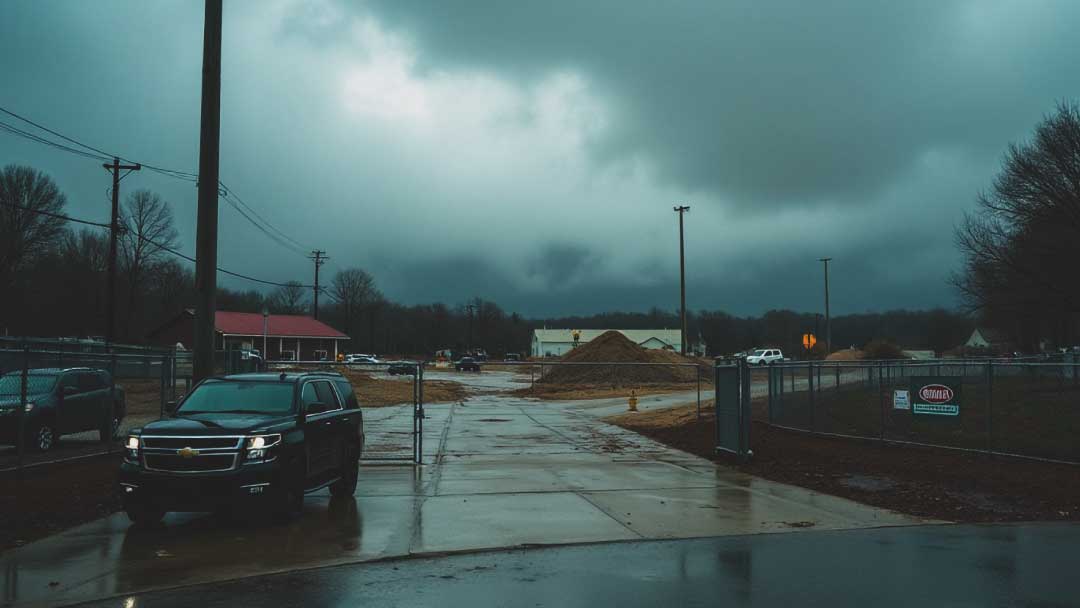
<point x="964" y="565"/>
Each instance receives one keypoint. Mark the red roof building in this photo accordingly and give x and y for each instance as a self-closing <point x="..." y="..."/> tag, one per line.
<point x="285" y="337"/>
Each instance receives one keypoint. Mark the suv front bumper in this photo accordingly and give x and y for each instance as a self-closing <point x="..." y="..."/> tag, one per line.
<point x="251" y="483"/>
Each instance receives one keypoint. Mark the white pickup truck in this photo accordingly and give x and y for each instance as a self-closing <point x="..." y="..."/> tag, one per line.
<point x="764" y="356"/>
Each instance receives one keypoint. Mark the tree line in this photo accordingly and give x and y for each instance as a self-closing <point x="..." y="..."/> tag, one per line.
<point x="1019" y="247"/>
<point x="1021" y="244"/>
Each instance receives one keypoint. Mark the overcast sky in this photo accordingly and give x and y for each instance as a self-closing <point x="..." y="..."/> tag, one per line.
<point x="531" y="152"/>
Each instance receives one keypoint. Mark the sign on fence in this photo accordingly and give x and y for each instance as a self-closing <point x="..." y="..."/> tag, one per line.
<point x="935" y="395"/>
<point x="901" y="400"/>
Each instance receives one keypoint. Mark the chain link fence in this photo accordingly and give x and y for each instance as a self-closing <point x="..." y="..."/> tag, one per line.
<point x="57" y="403"/>
<point x="1016" y="408"/>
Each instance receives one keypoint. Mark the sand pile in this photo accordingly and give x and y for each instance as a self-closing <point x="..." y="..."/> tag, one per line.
<point x="613" y="347"/>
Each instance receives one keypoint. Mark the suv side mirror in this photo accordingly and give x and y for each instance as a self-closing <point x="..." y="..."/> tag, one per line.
<point x="170" y="408"/>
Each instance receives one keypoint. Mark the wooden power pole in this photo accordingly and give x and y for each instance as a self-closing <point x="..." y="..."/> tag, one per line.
<point x="828" y="321"/>
<point x="319" y="257"/>
<point x="207" y="229"/>
<point x="114" y="229"/>
<point x="682" y="276"/>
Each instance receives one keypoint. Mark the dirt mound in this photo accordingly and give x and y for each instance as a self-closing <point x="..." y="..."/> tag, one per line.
<point x="848" y="354"/>
<point x="613" y="347"/>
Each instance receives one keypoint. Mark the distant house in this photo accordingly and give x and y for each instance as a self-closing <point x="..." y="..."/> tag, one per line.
<point x="288" y="337"/>
<point x="558" y="342"/>
<point x="984" y="338"/>
<point x="922" y="355"/>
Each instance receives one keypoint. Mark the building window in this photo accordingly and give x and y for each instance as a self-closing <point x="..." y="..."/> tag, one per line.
<point x="320" y="355"/>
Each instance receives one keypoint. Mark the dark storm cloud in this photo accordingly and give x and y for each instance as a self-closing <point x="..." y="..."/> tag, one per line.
<point x="784" y="103"/>
<point x="530" y="152"/>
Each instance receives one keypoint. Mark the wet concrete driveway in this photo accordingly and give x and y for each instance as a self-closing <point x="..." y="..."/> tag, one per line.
<point x="500" y="472"/>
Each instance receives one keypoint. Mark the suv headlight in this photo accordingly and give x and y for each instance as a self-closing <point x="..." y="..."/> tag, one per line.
<point x="131" y="448"/>
<point x="259" y="447"/>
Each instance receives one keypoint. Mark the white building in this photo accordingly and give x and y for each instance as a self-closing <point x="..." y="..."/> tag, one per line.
<point x="558" y="342"/>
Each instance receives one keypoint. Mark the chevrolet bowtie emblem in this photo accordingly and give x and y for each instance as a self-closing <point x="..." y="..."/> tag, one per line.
<point x="187" y="452"/>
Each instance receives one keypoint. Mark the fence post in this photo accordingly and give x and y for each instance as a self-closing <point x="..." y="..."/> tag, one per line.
<point x="810" y="388"/>
<point x="772" y="380"/>
<point x="697" y="372"/>
<point x="990" y="407"/>
<point x="420" y="414"/>
<point x="837" y="367"/>
<point x="106" y="437"/>
<point x="881" y="401"/>
<point x="164" y="382"/>
<point x="21" y="439"/>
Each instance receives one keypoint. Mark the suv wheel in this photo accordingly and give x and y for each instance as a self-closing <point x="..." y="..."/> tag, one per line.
<point x="346" y="486"/>
<point x="289" y="502"/>
<point x="43" y="437"/>
<point x="142" y="515"/>
<point x="113" y="430"/>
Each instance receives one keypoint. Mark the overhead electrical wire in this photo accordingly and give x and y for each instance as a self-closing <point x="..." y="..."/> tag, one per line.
<point x="231" y="197"/>
<point x="174" y="252"/>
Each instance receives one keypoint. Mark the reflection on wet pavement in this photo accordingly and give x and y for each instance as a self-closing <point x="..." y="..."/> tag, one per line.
<point x="547" y="473"/>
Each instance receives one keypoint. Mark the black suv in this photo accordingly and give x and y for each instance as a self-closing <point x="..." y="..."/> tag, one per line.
<point x="236" y="440"/>
<point x="59" y="402"/>
<point x="401" y="368"/>
<point x="467" y="364"/>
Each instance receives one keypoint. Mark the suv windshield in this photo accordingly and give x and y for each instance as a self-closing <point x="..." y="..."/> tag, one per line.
<point x="239" y="397"/>
<point x="11" y="384"/>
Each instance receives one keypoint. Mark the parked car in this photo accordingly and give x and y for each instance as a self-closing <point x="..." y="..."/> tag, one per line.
<point x="361" y="359"/>
<point x="512" y="357"/>
<point x="60" y="402"/>
<point x="467" y="364"/>
<point x="764" y="356"/>
<point x="401" y="368"/>
<point x="258" y="441"/>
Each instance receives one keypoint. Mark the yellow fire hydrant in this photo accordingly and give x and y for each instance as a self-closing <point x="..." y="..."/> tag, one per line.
<point x="633" y="401"/>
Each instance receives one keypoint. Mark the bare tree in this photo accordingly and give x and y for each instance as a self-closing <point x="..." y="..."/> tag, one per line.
<point x="355" y="292"/>
<point x="1020" y="246"/>
<point x="289" y="299"/>
<point x="29" y="202"/>
<point x="148" y="234"/>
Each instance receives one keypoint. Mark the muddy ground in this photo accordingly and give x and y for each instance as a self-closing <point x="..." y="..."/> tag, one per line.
<point x="925" y="482"/>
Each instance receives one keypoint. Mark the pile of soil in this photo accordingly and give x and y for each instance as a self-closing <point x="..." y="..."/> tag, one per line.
<point x="925" y="482"/>
<point x="613" y="347"/>
<point x="848" y="354"/>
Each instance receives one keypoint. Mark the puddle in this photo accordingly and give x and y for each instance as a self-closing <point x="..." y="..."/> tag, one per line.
<point x="868" y="483"/>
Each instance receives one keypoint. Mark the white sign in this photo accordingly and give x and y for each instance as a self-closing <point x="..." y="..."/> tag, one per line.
<point x="901" y="400"/>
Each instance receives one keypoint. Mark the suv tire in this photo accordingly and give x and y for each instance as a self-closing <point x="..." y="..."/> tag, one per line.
<point x="141" y="515"/>
<point x="43" y="437"/>
<point x="346" y="486"/>
<point x="289" y="501"/>
<point x="112" y="431"/>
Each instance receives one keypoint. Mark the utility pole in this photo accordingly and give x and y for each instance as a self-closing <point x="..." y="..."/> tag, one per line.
<point x="470" y="308"/>
<point x="828" y="321"/>
<point x="114" y="229"/>
<point x="206" y="236"/>
<point x="320" y="258"/>
<point x="682" y="276"/>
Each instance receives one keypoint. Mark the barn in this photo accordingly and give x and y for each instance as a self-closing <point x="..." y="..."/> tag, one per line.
<point x="287" y="337"/>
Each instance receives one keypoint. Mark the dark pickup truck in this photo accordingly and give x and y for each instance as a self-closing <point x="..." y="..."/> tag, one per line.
<point x="247" y="440"/>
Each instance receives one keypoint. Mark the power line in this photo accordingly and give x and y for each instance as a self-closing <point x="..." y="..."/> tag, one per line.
<point x="231" y="197"/>
<point x="174" y="252"/>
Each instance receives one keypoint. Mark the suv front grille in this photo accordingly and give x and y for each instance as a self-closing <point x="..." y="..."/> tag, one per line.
<point x="197" y="443"/>
<point x="191" y="464"/>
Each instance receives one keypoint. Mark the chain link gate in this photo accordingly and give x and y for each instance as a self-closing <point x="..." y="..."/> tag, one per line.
<point x="732" y="406"/>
